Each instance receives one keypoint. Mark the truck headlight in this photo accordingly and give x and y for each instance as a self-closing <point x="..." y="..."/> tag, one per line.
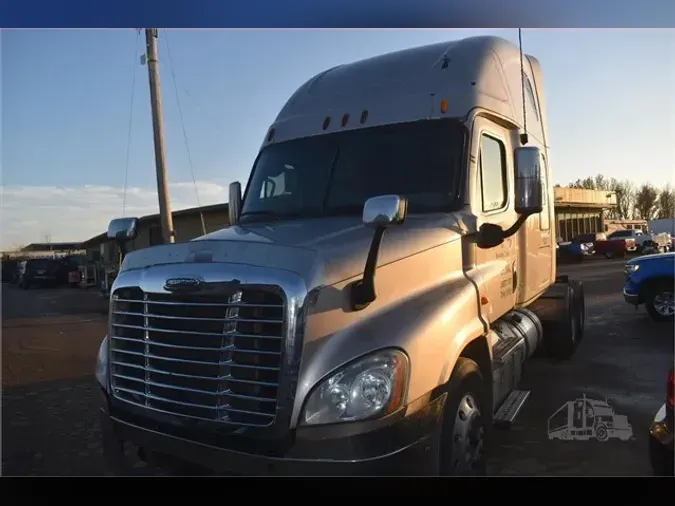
<point x="102" y="364"/>
<point x="373" y="385"/>
<point x="631" y="268"/>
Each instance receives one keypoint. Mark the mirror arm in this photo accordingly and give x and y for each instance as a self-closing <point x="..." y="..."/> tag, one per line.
<point x="123" y="250"/>
<point x="516" y="226"/>
<point x="362" y="292"/>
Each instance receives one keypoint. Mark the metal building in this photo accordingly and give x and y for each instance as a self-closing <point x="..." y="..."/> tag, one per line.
<point x="579" y="211"/>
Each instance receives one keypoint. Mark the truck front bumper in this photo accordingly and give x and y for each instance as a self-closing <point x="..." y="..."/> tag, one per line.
<point x="408" y="446"/>
<point x="631" y="298"/>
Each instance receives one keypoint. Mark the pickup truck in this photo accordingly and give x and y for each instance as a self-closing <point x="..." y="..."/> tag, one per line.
<point x="649" y="281"/>
<point x="598" y="244"/>
<point x="641" y="240"/>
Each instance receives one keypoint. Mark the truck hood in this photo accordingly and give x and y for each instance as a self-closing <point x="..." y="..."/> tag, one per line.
<point x="321" y="251"/>
<point x="649" y="258"/>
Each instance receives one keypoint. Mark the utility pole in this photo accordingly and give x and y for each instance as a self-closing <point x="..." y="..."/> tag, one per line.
<point x="165" y="217"/>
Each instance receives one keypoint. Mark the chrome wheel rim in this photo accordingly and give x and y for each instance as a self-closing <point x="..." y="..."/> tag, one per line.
<point x="664" y="304"/>
<point x="468" y="438"/>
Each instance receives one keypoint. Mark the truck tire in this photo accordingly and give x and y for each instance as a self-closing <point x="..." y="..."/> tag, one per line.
<point x="580" y="307"/>
<point x="464" y="422"/>
<point x="659" y="302"/>
<point x="601" y="433"/>
<point x="562" y="339"/>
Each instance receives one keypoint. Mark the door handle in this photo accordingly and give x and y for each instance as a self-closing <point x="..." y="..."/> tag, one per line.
<point x="515" y="277"/>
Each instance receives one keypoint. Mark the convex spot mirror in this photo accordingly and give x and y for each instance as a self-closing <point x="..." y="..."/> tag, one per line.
<point x="385" y="210"/>
<point x="123" y="229"/>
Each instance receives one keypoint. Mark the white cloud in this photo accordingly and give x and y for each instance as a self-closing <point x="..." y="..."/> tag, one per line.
<point x="30" y="213"/>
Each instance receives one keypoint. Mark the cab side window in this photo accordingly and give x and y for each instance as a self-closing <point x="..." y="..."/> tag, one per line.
<point x="492" y="163"/>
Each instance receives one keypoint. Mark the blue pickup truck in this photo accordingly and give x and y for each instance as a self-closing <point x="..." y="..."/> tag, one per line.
<point x="650" y="280"/>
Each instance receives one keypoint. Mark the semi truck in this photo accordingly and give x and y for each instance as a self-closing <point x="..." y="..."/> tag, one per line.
<point x="584" y="419"/>
<point x="387" y="272"/>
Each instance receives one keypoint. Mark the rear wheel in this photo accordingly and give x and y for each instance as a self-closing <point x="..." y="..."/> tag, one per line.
<point x="464" y="422"/>
<point x="660" y="303"/>
<point x="562" y="337"/>
<point x="579" y="307"/>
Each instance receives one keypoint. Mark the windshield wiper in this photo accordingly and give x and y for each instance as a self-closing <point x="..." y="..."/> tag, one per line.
<point x="274" y="215"/>
<point x="259" y="213"/>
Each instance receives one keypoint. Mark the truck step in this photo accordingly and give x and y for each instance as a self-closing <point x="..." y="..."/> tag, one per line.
<point x="509" y="409"/>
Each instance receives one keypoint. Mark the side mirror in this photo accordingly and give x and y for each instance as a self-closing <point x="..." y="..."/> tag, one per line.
<point x="123" y="229"/>
<point x="385" y="210"/>
<point x="528" y="180"/>
<point x="528" y="197"/>
<point x="378" y="213"/>
<point x="234" y="205"/>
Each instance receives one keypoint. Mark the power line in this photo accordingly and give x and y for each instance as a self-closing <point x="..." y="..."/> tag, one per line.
<point x="131" y="115"/>
<point x="182" y="124"/>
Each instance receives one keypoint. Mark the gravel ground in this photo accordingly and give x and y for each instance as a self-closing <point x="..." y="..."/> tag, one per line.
<point x="50" y="416"/>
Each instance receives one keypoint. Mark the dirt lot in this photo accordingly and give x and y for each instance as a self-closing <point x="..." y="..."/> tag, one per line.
<point x="50" y="419"/>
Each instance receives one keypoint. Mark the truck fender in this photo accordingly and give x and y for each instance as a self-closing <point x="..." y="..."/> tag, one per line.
<point x="432" y="327"/>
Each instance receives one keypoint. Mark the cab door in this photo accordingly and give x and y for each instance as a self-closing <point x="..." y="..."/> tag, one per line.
<point x="544" y="268"/>
<point x="493" y="202"/>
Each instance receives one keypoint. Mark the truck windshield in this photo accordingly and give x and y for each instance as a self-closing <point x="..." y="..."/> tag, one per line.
<point x="334" y="174"/>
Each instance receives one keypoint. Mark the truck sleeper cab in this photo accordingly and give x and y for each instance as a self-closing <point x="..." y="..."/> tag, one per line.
<point x="386" y="274"/>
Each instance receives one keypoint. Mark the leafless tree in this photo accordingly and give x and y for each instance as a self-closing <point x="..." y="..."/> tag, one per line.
<point x="646" y="201"/>
<point x="666" y="203"/>
<point x="625" y="198"/>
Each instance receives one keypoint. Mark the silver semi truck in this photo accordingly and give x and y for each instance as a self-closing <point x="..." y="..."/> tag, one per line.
<point x="386" y="274"/>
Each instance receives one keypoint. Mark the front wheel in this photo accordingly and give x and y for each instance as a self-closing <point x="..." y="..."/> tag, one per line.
<point x="464" y="422"/>
<point x="660" y="303"/>
<point x="601" y="433"/>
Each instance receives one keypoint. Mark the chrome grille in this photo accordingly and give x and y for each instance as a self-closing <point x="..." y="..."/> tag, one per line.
<point x="198" y="356"/>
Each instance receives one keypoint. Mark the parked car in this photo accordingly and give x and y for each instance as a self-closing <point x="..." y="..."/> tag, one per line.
<point x="649" y="281"/>
<point x="43" y="272"/>
<point x="571" y="251"/>
<point x="598" y="244"/>
<point x="661" y="453"/>
<point x="586" y="243"/>
<point x="641" y="240"/>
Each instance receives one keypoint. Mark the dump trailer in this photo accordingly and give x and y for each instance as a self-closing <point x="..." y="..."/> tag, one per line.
<point x="386" y="274"/>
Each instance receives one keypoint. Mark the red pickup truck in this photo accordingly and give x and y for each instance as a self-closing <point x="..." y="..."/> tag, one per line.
<point x="602" y="246"/>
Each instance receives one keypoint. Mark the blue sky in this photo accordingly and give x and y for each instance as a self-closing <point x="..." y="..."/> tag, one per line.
<point x="66" y="103"/>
